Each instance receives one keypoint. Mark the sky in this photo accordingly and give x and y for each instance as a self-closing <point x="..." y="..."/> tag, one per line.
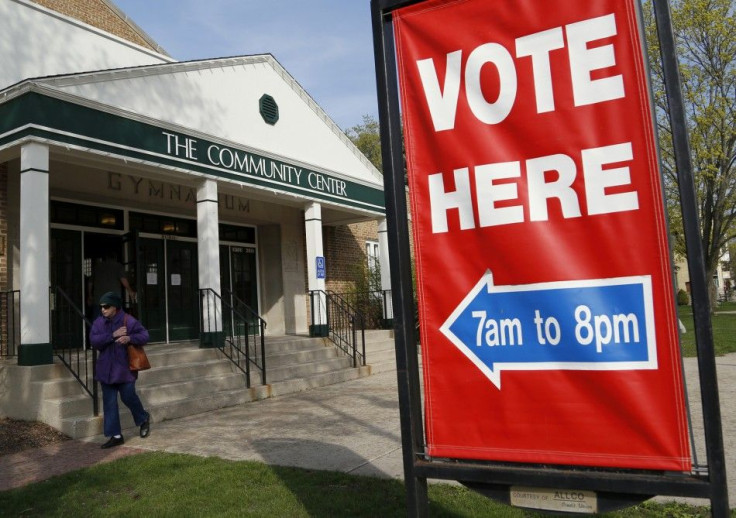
<point x="326" y="45"/>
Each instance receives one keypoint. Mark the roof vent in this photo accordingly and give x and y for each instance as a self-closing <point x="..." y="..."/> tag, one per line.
<point x="269" y="109"/>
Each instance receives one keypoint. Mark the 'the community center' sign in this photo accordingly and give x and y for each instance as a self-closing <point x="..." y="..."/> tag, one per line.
<point x="548" y="323"/>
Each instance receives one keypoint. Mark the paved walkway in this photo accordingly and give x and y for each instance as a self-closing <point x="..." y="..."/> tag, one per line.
<point x="34" y="465"/>
<point x="352" y="427"/>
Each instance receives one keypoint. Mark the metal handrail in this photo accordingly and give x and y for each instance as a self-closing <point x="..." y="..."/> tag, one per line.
<point x="373" y="305"/>
<point x="9" y="323"/>
<point x="69" y="337"/>
<point x="343" y="323"/>
<point x="240" y="348"/>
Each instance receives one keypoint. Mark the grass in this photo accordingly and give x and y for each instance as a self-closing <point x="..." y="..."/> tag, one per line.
<point x="724" y="329"/>
<point x="164" y="484"/>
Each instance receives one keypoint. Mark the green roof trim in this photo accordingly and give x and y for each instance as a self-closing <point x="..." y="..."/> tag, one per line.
<point x="34" y="114"/>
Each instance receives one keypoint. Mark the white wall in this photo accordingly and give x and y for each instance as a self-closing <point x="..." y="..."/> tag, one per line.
<point x="221" y="98"/>
<point x="36" y="42"/>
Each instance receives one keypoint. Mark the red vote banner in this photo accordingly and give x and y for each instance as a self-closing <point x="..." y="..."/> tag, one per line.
<point x="548" y="324"/>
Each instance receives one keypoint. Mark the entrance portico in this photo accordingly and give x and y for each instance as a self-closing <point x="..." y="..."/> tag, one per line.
<point x="184" y="210"/>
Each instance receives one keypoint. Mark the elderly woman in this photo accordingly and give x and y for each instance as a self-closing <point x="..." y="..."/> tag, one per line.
<point x="111" y="333"/>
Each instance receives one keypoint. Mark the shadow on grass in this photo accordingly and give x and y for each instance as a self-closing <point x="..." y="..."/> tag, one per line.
<point x="164" y="484"/>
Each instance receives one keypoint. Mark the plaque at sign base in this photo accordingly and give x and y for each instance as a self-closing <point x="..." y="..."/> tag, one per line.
<point x="566" y="500"/>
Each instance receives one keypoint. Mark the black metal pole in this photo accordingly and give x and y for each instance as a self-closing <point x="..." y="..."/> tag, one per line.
<point x="696" y="264"/>
<point x="407" y="364"/>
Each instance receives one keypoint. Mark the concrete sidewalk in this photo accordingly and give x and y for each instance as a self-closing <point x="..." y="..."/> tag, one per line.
<point x="352" y="427"/>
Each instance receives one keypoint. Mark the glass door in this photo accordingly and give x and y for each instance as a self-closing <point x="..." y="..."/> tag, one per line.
<point x="131" y="259"/>
<point x="152" y="288"/>
<point x="244" y="278"/>
<point x="239" y="276"/>
<point x="183" y="289"/>
<point x="66" y="274"/>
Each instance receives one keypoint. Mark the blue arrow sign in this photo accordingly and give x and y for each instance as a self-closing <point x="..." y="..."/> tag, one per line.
<point x="600" y="324"/>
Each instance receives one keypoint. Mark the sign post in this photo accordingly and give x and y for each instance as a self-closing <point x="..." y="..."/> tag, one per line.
<point x="550" y="347"/>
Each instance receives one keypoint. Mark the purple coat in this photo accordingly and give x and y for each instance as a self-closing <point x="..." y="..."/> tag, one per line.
<point x="112" y="362"/>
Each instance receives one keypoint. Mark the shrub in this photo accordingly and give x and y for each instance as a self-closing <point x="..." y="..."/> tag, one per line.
<point x="683" y="299"/>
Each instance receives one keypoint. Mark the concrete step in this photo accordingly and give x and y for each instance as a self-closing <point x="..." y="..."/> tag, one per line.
<point x="166" y="392"/>
<point x="176" y="373"/>
<point x="166" y="356"/>
<point x="380" y="351"/>
<point x="86" y="426"/>
<point x="58" y="408"/>
<point x="302" y="370"/>
<point x="58" y="388"/>
<point x="320" y="353"/>
<point x="186" y="380"/>
<point x="318" y="380"/>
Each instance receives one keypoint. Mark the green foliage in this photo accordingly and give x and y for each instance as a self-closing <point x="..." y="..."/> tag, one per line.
<point x="723" y="323"/>
<point x="705" y="33"/>
<point x="367" y="138"/>
<point x="367" y="294"/>
<point x="683" y="299"/>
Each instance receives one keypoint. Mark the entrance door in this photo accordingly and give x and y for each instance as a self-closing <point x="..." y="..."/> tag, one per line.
<point x="183" y="290"/>
<point x="66" y="263"/>
<point x="168" y="288"/>
<point x="152" y="287"/>
<point x="66" y="273"/>
<point x="131" y="261"/>
<point x="239" y="275"/>
<point x="244" y="280"/>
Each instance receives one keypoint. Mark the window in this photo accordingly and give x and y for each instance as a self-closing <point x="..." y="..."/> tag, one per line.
<point x="371" y="252"/>
<point x="86" y="216"/>
<point x="162" y="224"/>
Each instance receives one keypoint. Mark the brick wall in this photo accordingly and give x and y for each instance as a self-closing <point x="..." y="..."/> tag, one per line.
<point x="344" y="248"/>
<point x="102" y="15"/>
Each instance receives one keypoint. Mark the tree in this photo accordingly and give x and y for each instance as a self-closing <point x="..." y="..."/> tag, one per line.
<point x="367" y="139"/>
<point x="705" y="34"/>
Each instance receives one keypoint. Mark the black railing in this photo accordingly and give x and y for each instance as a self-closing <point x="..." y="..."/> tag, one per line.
<point x="234" y="328"/>
<point x="69" y="338"/>
<point x="373" y="305"/>
<point x="9" y="323"/>
<point x="345" y="324"/>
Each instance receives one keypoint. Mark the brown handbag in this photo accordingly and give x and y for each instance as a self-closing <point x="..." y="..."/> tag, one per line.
<point x="137" y="358"/>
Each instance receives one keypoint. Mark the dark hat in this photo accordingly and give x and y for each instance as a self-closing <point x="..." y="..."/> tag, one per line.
<point x="111" y="298"/>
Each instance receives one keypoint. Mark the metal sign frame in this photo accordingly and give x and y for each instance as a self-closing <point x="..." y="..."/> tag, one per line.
<point x="615" y="488"/>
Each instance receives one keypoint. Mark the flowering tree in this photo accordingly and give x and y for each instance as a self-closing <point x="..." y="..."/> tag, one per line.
<point x="705" y="34"/>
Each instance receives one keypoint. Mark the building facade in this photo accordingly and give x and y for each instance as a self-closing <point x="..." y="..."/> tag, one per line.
<point x="212" y="176"/>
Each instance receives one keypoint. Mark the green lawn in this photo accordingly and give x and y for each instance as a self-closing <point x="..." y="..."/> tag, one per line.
<point x="724" y="329"/>
<point x="164" y="484"/>
<point x="161" y="484"/>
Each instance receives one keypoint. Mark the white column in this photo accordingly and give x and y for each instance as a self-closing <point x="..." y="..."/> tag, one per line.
<point x="313" y="228"/>
<point x="35" y="280"/>
<point x="208" y="251"/>
<point x="388" y="310"/>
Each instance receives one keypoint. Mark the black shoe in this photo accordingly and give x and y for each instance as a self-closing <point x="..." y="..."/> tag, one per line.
<point x="113" y="441"/>
<point x="146" y="427"/>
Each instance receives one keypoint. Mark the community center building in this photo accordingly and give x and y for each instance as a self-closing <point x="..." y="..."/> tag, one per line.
<point x="219" y="175"/>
